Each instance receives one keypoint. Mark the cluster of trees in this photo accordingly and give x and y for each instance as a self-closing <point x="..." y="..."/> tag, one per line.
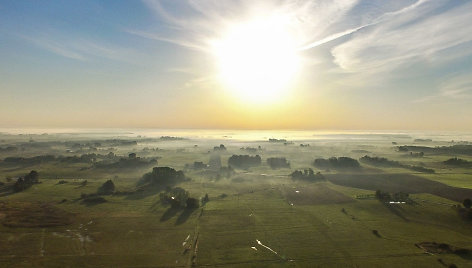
<point x="131" y="162"/>
<point x="251" y="149"/>
<point x="278" y="140"/>
<point x="416" y="154"/>
<point x="199" y="165"/>
<point x="100" y="143"/>
<point x="170" y="138"/>
<point x="24" y="182"/>
<point x="179" y="198"/>
<point x="163" y="176"/>
<point x="278" y="162"/>
<point x="336" y="163"/>
<point x="307" y="175"/>
<point x="244" y="161"/>
<point x="219" y="148"/>
<point x="396" y="197"/>
<point x="457" y="162"/>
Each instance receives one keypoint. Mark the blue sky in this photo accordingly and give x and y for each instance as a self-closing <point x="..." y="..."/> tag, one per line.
<point x="366" y="64"/>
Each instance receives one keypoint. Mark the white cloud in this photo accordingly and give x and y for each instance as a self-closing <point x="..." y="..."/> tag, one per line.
<point x="418" y="32"/>
<point x="455" y="88"/>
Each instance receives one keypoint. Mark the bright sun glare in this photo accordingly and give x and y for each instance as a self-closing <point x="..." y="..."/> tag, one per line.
<point x="258" y="59"/>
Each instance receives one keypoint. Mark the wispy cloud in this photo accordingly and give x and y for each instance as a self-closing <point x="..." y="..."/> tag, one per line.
<point x="456" y="88"/>
<point x="79" y="48"/>
<point x="417" y="32"/>
<point x="200" y="22"/>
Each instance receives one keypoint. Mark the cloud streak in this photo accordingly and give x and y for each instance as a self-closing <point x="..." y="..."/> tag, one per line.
<point x="413" y="33"/>
<point x="80" y="49"/>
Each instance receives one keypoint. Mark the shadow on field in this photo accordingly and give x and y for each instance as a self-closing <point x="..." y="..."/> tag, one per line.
<point x="183" y="217"/>
<point x="395" y="210"/>
<point x="6" y="190"/>
<point x="170" y="212"/>
<point x="145" y="191"/>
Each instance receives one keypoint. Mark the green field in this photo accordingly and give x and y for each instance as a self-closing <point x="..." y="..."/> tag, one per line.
<point x="298" y="223"/>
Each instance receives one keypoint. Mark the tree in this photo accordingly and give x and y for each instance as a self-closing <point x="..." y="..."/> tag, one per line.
<point x="163" y="176"/>
<point x="205" y="199"/>
<point x="176" y="197"/>
<point x="107" y="188"/>
<point x="467" y="203"/>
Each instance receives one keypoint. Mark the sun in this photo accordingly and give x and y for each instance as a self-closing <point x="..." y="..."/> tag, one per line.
<point x="257" y="59"/>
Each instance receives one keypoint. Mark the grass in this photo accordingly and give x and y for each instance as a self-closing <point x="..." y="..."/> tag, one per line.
<point x="325" y="227"/>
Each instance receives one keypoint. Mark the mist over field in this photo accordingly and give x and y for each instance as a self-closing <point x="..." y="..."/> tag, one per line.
<point x="234" y="198"/>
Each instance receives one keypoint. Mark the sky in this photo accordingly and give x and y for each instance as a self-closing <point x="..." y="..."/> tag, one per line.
<point x="373" y="65"/>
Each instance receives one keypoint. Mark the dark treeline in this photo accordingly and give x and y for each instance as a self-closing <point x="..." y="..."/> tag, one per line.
<point x="278" y="162"/>
<point x="109" y="160"/>
<point x="336" y="163"/>
<point x="457" y="162"/>
<point x="384" y="162"/>
<point x="244" y="161"/>
<point x="454" y="149"/>
<point x="278" y="140"/>
<point x="380" y="161"/>
<point x="170" y="138"/>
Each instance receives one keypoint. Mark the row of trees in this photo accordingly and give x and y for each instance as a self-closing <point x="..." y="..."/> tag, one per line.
<point x="307" y="175"/>
<point x="336" y="163"/>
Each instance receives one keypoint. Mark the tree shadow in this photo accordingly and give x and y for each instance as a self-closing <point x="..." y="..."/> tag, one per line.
<point x="6" y="190"/>
<point x="183" y="217"/>
<point x="144" y="191"/>
<point x="395" y="210"/>
<point x="170" y="212"/>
